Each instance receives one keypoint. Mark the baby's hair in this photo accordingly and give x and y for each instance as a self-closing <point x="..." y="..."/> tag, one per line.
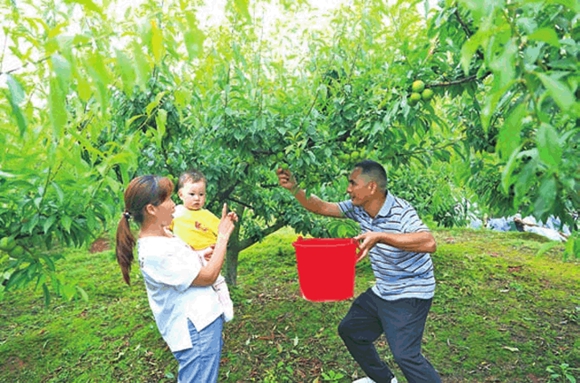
<point x="192" y="175"/>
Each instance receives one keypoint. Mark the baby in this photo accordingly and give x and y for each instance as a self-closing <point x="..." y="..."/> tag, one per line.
<point x="198" y="228"/>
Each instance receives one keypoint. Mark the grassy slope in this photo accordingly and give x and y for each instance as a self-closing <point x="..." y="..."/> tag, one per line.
<point x="500" y="315"/>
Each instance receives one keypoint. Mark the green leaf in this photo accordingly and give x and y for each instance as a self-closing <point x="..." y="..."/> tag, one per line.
<point x="91" y="220"/>
<point x="83" y="293"/>
<point x="503" y="65"/>
<point x="48" y="223"/>
<point x="546" y="196"/>
<point x="193" y="37"/>
<point x="142" y="67"/>
<point x="31" y="224"/>
<point x="242" y="8"/>
<point x="66" y="222"/>
<point x="549" y="147"/>
<point x="157" y="42"/>
<point x="468" y="50"/>
<point x="41" y="280"/>
<point x="68" y="292"/>
<point x="493" y="99"/>
<point x="15" y="98"/>
<point x="62" y="69"/>
<point x="509" y="135"/>
<point x="182" y="97"/>
<point x="18" y="115"/>
<point x="49" y="262"/>
<point x="571" y="4"/>
<point x="480" y="8"/>
<point x="128" y="75"/>
<point x="561" y="94"/>
<point x="155" y="103"/>
<point x="87" y="4"/>
<point x="57" y="107"/>
<point x="160" y="120"/>
<point x="83" y="88"/>
<point x="547" y="35"/>
<point x="100" y="75"/>
<point x="506" y="174"/>
<point x="573" y="245"/>
<point x="15" y="89"/>
<point x="46" y="294"/>
<point x="59" y="192"/>
<point x="525" y="179"/>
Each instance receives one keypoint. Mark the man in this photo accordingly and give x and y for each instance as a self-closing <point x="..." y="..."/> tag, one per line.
<point x="398" y="245"/>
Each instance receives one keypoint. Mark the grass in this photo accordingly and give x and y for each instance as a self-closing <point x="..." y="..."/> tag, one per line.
<point x="500" y="314"/>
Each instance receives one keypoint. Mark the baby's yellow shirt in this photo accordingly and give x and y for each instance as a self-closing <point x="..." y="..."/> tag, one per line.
<point x="198" y="228"/>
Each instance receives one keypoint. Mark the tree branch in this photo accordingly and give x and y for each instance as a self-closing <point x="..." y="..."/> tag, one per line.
<point x="3" y="53"/>
<point x="41" y="60"/>
<point x="25" y="65"/>
<point x="458" y="81"/>
<point x="267" y="231"/>
<point x="309" y="109"/>
<point x="411" y="153"/>
<point x="226" y="193"/>
<point x="464" y="26"/>
<point x="239" y="202"/>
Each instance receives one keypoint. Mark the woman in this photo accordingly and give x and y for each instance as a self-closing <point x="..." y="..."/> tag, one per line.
<point x="185" y="306"/>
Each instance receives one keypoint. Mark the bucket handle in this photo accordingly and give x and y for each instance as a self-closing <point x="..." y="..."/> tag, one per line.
<point x="358" y="250"/>
<point x="354" y="242"/>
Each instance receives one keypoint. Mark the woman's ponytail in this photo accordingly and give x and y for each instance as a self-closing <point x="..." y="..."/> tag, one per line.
<point x="125" y="245"/>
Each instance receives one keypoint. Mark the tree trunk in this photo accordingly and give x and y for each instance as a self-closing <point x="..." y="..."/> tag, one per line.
<point x="234" y="250"/>
<point x="232" y="265"/>
<point x="236" y="245"/>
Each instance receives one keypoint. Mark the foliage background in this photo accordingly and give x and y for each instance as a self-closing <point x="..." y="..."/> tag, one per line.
<point x="98" y="100"/>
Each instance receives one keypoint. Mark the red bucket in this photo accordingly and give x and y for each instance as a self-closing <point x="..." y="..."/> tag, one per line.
<point x="326" y="268"/>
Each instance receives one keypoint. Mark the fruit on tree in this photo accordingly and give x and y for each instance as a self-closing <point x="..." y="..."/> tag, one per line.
<point x="427" y="94"/>
<point x="7" y="244"/>
<point x="17" y="252"/>
<point x="418" y="86"/>
<point x="414" y="98"/>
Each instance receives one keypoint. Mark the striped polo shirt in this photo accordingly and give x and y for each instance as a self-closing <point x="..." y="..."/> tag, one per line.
<point x="399" y="273"/>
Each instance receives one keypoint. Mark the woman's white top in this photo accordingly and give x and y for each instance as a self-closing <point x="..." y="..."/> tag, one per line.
<point x="169" y="266"/>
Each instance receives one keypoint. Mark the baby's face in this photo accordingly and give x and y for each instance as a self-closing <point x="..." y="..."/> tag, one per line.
<point x="193" y="195"/>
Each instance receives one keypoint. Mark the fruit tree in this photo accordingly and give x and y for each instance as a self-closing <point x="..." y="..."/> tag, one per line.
<point x="467" y="99"/>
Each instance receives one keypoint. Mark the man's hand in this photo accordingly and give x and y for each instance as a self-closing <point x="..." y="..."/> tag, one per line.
<point x="419" y="242"/>
<point x="366" y="242"/>
<point x="286" y="179"/>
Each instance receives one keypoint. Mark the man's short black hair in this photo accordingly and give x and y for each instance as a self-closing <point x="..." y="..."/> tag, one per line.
<point x="375" y="172"/>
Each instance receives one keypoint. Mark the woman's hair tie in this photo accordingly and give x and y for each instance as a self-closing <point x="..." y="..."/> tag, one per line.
<point x="127" y="215"/>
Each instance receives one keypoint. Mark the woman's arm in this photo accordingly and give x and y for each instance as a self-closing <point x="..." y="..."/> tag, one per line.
<point x="209" y="273"/>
